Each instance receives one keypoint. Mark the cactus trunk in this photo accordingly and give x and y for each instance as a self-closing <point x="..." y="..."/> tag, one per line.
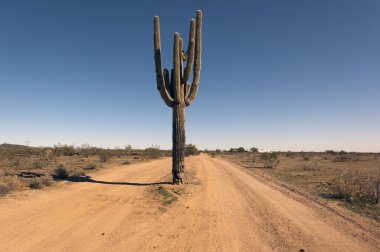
<point x="179" y="140"/>
<point x="174" y="88"/>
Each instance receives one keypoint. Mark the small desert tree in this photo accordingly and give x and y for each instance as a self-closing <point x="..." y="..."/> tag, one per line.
<point x="240" y="149"/>
<point x="254" y="150"/>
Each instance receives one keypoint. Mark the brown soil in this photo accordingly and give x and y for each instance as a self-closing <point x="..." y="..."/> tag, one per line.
<point x="222" y="208"/>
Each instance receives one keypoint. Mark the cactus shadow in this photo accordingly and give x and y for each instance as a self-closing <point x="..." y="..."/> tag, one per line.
<point x="88" y="179"/>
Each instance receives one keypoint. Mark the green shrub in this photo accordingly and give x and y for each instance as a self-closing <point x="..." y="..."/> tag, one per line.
<point x="240" y="149"/>
<point x="61" y="172"/>
<point x="254" y="150"/>
<point x="66" y="150"/>
<point x="191" y="150"/>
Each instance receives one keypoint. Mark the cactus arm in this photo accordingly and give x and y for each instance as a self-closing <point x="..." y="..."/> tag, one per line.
<point x="191" y="37"/>
<point x="180" y="59"/>
<point x="190" y="60"/>
<point x="187" y="90"/>
<point x="182" y="83"/>
<point x="157" y="58"/>
<point x="176" y="66"/>
<point x="197" y="60"/>
<point x="167" y="82"/>
<point x="172" y="82"/>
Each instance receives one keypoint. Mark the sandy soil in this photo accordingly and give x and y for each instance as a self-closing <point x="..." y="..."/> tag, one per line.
<point x="224" y="208"/>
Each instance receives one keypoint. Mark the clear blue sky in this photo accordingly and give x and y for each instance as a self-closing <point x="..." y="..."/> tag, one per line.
<point x="279" y="75"/>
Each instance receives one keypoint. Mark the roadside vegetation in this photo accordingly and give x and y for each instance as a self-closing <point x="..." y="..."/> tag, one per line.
<point x="23" y="167"/>
<point x="350" y="179"/>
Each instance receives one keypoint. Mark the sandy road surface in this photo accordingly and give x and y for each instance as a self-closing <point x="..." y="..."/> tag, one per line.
<point x="223" y="208"/>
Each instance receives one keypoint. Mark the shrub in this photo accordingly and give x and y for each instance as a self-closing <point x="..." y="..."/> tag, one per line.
<point x="66" y="150"/>
<point x="4" y="188"/>
<point x="352" y="186"/>
<point x="330" y="152"/>
<point x="61" y="172"/>
<point x="153" y="152"/>
<point x="126" y="162"/>
<point x="36" y="184"/>
<point x="45" y="157"/>
<point x="9" y="184"/>
<point x="77" y="173"/>
<point x="341" y="159"/>
<point x="191" y="150"/>
<point x="104" y="155"/>
<point x="289" y="155"/>
<point x="240" y="149"/>
<point x="311" y="165"/>
<point x="41" y="182"/>
<point x="254" y="150"/>
<point x="91" y="166"/>
<point x="270" y="159"/>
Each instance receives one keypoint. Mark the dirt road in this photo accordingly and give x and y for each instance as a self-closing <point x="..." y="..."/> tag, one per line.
<point x="223" y="208"/>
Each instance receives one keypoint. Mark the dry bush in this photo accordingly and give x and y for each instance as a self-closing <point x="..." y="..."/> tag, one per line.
<point x="41" y="182"/>
<point x="312" y="165"/>
<point x="351" y="185"/>
<point x="341" y="159"/>
<point x="8" y="184"/>
<point x="153" y="152"/>
<point x="270" y="159"/>
<point x="104" y="155"/>
<point x="126" y="162"/>
<point x="91" y="166"/>
<point x="77" y="173"/>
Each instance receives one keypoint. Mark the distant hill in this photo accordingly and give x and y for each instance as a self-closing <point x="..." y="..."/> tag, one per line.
<point x="7" y="145"/>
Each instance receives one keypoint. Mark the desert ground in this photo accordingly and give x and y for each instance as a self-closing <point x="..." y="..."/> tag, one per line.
<point x="221" y="207"/>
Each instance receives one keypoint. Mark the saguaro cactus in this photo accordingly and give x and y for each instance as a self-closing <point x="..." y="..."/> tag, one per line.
<point x="174" y="88"/>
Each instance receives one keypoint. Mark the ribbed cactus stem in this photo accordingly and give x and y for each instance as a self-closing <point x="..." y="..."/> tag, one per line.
<point x="174" y="87"/>
<point x="197" y="60"/>
<point x="176" y="66"/>
<point x="191" y="37"/>
<point x="157" y="58"/>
